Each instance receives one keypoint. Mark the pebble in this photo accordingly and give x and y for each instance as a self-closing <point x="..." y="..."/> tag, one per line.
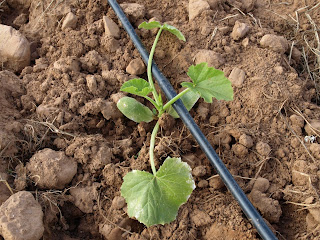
<point x="216" y="183"/>
<point x="213" y="58"/>
<point x="20" y="20"/>
<point x="92" y="83"/>
<point x="263" y="148"/>
<point x="199" y="171"/>
<point x="110" y="27"/>
<point x="246" y="140"/>
<point x="118" y="202"/>
<point x="196" y="7"/>
<point x="275" y="43"/>
<point x="110" y="44"/>
<point x="237" y="77"/>
<point x="70" y="21"/>
<point x="297" y="120"/>
<point x="248" y="5"/>
<point x="136" y="67"/>
<point x="21" y="217"/>
<point x="239" y="30"/>
<point x="203" y="184"/>
<point x="14" y="48"/>
<point x="315" y="212"/>
<point x="134" y="10"/>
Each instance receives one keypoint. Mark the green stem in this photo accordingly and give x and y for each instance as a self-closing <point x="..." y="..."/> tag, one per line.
<point x="149" y="72"/>
<point x="153" y="102"/>
<point x="173" y="100"/>
<point x="152" y="142"/>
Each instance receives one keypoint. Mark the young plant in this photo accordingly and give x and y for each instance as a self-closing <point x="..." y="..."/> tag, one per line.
<point x="155" y="198"/>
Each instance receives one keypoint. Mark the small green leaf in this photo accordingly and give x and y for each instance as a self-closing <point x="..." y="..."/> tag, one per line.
<point x="137" y="86"/>
<point x="156" y="199"/>
<point x="189" y="100"/>
<point x="209" y="82"/>
<point x="134" y="110"/>
<point x="174" y="31"/>
<point x="150" y="25"/>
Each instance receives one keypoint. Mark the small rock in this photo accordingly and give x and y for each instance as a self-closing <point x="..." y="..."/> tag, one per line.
<point x="200" y="218"/>
<point x="203" y="184"/>
<point x="246" y="140"/>
<point x="239" y="150"/>
<point x="92" y="83"/>
<point x="84" y="197"/>
<point x="196" y="7"/>
<point x="199" y="171"/>
<point x="263" y="148"/>
<point x="136" y="67"/>
<point x="315" y="127"/>
<point x="70" y="21"/>
<point x="239" y="30"/>
<point x="14" y="48"/>
<point x="68" y="64"/>
<point x="51" y="169"/>
<point x="118" y="202"/>
<point x="213" y="58"/>
<point x="134" y="10"/>
<point x="261" y="184"/>
<point x="237" y="77"/>
<point x="296" y="54"/>
<point x="245" y="42"/>
<point x="216" y="183"/>
<point x="111" y="28"/>
<point x="275" y="43"/>
<point x="21" y="218"/>
<point x="315" y="150"/>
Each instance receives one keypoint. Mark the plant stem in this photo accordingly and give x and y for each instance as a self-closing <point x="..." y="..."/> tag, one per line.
<point x="149" y="72"/>
<point x="152" y="142"/>
<point x="153" y="102"/>
<point x="173" y="100"/>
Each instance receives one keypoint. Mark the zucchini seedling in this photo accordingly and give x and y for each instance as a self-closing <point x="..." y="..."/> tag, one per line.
<point x="155" y="198"/>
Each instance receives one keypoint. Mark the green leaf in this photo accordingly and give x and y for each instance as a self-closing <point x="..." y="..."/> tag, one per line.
<point x="209" y="82"/>
<point x="137" y="86"/>
<point x="174" y="31"/>
<point x="156" y="199"/>
<point x="150" y="25"/>
<point x="134" y="110"/>
<point x="189" y="100"/>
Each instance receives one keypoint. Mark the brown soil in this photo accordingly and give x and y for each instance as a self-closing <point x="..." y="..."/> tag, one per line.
<point x="65" y="101"/>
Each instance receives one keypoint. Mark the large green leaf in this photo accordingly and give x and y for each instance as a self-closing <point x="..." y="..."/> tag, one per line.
<point x="174" y="31"/>
<point x="137" y="86"/>
<point x="189" y="100"/>
<point x="156" y="199"/>
<point x="134" y="110"/>
<point x="209" y="82"/>
<point x="150" y="25"/>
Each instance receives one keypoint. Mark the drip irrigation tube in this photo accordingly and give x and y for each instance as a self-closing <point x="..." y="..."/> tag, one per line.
<point x="252" y="214"/>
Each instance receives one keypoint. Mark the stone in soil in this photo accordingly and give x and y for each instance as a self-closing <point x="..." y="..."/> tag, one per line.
<point x="14" y="48"/>
<point x="70" y="21"/>
<point x="275" y="43"/>
<point x="263" y="148"/>
<point x="237" y="77"/>
<point x="246" y="140"/>
<point x="110" y="27"/>
<point x="313" y="127"/>
<point x="239" y="30"/>
<point x="261" y="184"/>
<point x="51" y="169"/>
<point x="21" y="218"/>
<point x="196" y="7"/>
<point x="85" y="197"/>
<point x="133" y="10"/>
<point x="136" y="67"/>
<point x="199" y="171"/>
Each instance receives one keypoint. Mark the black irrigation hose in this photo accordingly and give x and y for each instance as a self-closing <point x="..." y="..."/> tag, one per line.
<point x="252" y="214"/>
